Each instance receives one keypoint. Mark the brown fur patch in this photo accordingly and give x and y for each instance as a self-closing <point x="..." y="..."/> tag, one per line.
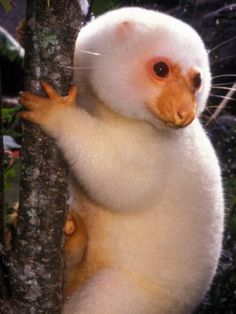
<point x="88" y="219"/>
<point x="176" y="104"/>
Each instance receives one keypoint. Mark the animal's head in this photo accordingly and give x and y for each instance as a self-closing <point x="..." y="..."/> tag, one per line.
<point x="147" y="65"/>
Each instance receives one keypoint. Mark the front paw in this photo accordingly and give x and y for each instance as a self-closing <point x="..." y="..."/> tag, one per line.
<point x="41" y="109"/>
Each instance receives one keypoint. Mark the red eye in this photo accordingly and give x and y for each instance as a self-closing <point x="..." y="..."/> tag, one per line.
<point x="161" y="69"/>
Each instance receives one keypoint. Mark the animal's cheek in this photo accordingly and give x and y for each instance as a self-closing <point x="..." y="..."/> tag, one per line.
<point x="143" y="81"/>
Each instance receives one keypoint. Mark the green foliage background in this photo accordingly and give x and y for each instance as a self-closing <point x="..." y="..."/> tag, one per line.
<point x="6" y="4"/>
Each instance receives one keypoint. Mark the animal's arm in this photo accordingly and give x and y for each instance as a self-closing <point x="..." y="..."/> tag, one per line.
<point x="92" y="152"/>
<point x="77" y="133"/>
<point x="72" y="127"/>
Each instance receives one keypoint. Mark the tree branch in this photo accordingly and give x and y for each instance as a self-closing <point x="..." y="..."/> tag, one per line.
<point x="222" y="105"/>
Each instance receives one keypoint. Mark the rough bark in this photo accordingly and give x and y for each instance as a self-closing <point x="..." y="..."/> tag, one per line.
<point x="37" y="262"/>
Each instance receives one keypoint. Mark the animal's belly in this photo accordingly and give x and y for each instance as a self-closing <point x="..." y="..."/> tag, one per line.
<point x="175" y="245"/>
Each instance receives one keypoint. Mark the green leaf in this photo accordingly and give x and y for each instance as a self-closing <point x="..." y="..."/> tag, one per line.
<point x="10" y="48"/>
<point x="100" y="7"/>
<point x="6" y="4"/>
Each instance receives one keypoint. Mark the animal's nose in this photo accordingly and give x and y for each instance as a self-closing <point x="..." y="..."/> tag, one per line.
<point x="184" y="116"/>
<point x="181" y="114"/>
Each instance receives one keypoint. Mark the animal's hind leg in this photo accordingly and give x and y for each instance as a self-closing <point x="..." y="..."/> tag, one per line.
<point x="113" y="291"/>
<point x="76" y="237"/>
<point x="109" y="291"/>
<point x="75" y="251"/>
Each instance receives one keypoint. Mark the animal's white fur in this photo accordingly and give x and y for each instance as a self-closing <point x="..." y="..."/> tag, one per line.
<point x="154" y="204"/>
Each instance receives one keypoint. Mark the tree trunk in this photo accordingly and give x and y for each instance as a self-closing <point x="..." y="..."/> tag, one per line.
<point x="37" y="262"/>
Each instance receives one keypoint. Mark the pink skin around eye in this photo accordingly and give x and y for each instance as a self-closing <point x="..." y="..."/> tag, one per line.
<point x="151" y="72"/>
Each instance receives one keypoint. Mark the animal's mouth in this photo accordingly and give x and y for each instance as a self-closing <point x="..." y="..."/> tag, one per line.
<point x="180" y="123"/>
<point x="174" y="115"/>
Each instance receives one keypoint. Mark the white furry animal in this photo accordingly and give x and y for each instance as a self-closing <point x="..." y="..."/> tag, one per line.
<point x="150" y="186"/>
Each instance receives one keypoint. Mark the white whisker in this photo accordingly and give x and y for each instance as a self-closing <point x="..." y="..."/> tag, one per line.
<point x="90" y="52"/>
<point x="225" y="88"/>
<point x="230" y="7"/>
<point x="211" y="108"/>
<point x="224" y="75"/>
<point x="79" y="68"/>
<point x="223" y="84"/>
<point x="223" y="43"/>
<point x="222" y="59"/>
<point x="223" y="97"/>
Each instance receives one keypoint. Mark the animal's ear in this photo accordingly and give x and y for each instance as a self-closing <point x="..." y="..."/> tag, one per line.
<point x="124" y="30"/>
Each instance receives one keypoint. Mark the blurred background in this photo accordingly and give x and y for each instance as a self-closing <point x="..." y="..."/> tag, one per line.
<point x="215" y="20"/>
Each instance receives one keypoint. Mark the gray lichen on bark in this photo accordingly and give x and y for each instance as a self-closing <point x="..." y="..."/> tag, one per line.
<point x="37" y="262"/>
